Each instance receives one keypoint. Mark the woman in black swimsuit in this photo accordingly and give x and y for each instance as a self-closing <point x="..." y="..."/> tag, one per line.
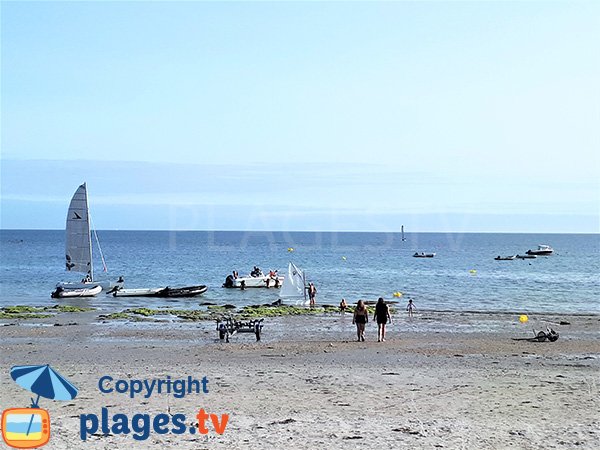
<point x="382" y="315"/>
<point x="361" y="317"/>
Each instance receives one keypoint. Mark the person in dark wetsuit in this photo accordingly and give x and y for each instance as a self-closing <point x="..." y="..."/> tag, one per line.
<point x="382" y="315"/>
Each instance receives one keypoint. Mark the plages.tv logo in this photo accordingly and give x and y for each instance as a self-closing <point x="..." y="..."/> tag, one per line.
<point x="30" y="427"/>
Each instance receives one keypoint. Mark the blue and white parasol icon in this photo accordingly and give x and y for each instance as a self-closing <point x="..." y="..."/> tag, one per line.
<point x="43" y="381"/>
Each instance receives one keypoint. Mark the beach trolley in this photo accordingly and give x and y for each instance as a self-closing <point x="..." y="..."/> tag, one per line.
<point x="228" y="326"/>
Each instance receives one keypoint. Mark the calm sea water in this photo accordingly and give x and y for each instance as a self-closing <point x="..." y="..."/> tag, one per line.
<point x="350" y="265"/>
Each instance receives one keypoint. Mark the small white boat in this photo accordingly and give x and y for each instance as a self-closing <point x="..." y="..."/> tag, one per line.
<point x="541" y="250"/>
<point x="186" y="291"/>
<point x="136" y="292"/>
<point x="526" y="256"/>
<point x="61" y="292"/>
<point x="423" y="255"/>
<point x="505" y="258"/>
<point x="257" y="279"/>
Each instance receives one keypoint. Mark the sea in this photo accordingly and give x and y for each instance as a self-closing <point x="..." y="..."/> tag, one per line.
<point x="463" y="275"/>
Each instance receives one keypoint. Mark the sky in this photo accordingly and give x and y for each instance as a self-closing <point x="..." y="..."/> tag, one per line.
<point x="442" y="116"/>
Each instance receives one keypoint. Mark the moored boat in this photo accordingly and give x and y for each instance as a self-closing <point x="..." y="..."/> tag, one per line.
<point x="505" y="258"/>
<point x="136" y="292"/>
<point x="541" y="250"/>
<point x="187" y="291"/>
<point x="526" y="256"/>
<point x="256" y="279"/>
<point x="423" y="255"/>
<point x="61" y="292"/>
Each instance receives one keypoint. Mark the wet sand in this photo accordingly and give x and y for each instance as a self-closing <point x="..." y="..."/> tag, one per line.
<point x="440" y="381"/>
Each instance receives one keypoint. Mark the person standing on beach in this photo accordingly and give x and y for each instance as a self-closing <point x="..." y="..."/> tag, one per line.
<point x="361" y="317"/>
<point x="382" y="315"/>
<point x="312" y="293"/>
<point x="343" y="305"/>
<point x="410" y="307"/>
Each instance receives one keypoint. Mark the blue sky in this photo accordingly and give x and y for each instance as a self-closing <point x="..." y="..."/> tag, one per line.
<point x="450" y="116"/>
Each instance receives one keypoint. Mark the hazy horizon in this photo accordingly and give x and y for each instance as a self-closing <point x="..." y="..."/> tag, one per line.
<point x="460" y="116"/>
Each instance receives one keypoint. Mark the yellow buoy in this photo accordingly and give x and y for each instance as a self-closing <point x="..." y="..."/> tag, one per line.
<point x="472" y="271"/>
<point x="397" y="294"/>
<point x="523" y="318"/>
<point x="290" y="249"/>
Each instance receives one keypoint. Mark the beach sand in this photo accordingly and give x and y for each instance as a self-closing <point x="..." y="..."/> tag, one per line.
<point x="442" y="380"/>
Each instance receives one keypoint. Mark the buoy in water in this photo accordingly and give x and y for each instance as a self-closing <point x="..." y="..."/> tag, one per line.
<point x="343" y="258"/>
<point x="523" y="318"/>
<point x="397" y="294"/>
<point x="472" y="271"/>
<point x="290" y="249"/>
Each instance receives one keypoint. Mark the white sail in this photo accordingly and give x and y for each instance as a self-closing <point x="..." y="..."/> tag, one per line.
<point x="294" y="283"/>
<point x="78" y="240"/>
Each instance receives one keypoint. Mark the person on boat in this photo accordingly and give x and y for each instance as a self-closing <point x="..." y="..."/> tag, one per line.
<point x="87" y="278"/>
<point x="382" y="316"/>
<point x="312" y="294"/>
<point x="361" y="317"/>
<point x="235" y="275"/>
<point x="343" y="305"/>
<point x="410" y="308"/>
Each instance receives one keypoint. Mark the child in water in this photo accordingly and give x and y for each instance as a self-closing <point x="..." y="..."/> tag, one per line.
<point x="410" y="308"/>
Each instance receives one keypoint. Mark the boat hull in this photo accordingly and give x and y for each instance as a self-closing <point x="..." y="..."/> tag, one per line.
<point x="424" y="255"/>
<point x="105" y="285"/>
<point x="137" y="292"/>
<point x="60" y="292"/>
<point x="188" y="291"/>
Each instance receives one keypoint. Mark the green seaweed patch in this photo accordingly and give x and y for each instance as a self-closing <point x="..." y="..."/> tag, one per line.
<point x="195" y="315"/>
<point x="68" y="309"/>
<point x="185" y="314"/>
<point x="115" y="316"/>
<point x="19" y="309"/>
<point x="4" y="315"/>
<point x="147" y="312"/>
<point x="249" y="312"/>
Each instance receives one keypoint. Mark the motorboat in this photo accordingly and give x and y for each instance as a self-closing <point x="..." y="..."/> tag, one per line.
<point x="505" y="258"/>
<point x="423" y="255"/>
<point x="256" y="279"/>
<point x="541" y="250"/>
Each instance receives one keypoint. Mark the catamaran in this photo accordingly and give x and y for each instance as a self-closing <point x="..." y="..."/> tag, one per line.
<point x="78" y="251"/>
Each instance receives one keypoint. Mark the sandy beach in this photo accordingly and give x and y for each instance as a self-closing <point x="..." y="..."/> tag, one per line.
<point x="463" y="383"/>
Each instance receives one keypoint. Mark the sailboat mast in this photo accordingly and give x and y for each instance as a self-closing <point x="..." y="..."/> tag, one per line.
<point x="89" y="234"/>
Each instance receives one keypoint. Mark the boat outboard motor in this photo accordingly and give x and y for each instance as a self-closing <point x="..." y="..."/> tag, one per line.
<point x="228" y="281"/>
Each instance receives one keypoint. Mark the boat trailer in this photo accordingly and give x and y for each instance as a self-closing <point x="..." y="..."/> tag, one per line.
<point x="228" y="326"/>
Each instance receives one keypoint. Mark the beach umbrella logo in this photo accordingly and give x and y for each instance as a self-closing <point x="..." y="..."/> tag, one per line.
<point x="30" y="427"/>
